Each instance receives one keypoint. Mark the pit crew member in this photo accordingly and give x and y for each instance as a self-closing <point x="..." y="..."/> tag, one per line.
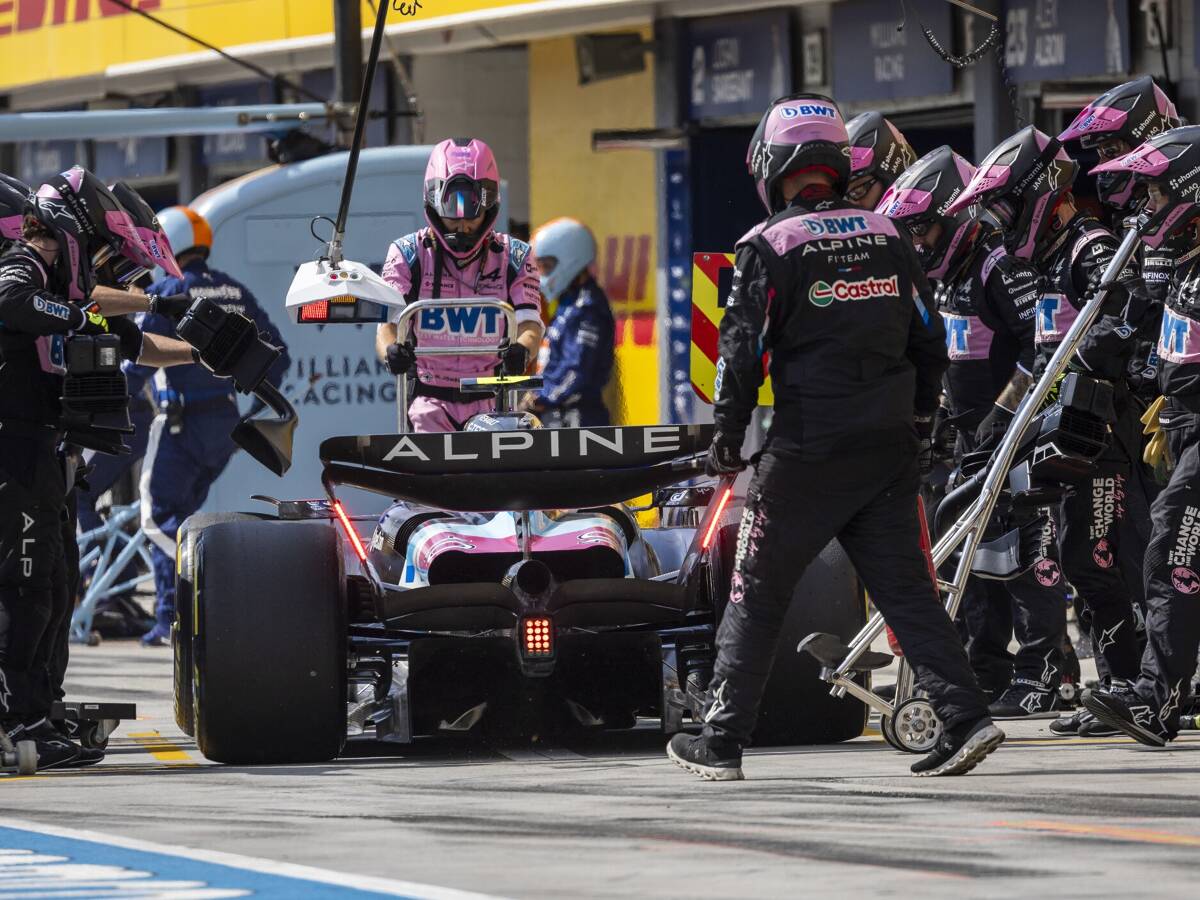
<point x="72" y="225"/>
<point x="460" y="254"/>
<point x="839" y="300"/>
<point x="878" y="154"/>
<point x="1025" y="185"/>
<point x="1169" y="166"/>
<point x="579" y="352"/>
<point x="987" y="300"/>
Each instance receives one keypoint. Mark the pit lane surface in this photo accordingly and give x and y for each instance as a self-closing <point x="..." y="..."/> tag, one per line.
<point x="602" y="816"/>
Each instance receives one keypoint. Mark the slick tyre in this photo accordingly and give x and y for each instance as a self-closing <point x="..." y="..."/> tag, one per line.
<point x="181" y="628"/>
<point x="270" y="643"/>
<point x="796" y="707"/>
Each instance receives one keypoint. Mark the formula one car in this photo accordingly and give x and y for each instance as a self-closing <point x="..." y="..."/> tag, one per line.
<point x="509" y="587"/>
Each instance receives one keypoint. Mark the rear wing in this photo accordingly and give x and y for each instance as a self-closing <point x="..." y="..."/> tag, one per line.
<point x="519" y="470"/>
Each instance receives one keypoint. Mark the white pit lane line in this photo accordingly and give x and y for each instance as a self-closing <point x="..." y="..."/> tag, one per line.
<point x="45" y="861"/>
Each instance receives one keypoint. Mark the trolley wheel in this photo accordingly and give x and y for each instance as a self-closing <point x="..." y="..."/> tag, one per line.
<point x="889" y="735"/>
<point x="1068" y="692"/>
<point x="916" y="726"/>
<point x="89" y="738"/>
<point x="93" y="639"/>
<point x="26" y="758"/>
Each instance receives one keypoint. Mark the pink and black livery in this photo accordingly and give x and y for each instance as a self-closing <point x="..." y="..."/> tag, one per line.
<point x="877" y="148"/>
<point x="1172" y="161"/>
<point x="90" y="224"/>
<point x="1132" y="112"/>
<point x="1019" y="184"/>
<point x="922" y="195"/>
<point x="14" y="195"/>
<point x="802" y="131"/>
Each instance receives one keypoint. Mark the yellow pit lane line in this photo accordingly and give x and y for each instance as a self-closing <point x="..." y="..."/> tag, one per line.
<point x="159" y="747"/>
<point x="1109" y="832"/>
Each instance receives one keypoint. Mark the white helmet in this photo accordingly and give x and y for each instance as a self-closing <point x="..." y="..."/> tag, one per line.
<point x="571" y="245"/>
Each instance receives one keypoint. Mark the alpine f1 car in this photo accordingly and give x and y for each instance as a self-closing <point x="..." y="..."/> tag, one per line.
<point x="510" y="586"/>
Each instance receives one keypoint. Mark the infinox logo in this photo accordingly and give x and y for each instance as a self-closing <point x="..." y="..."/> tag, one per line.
<point x="822" y="293"/>
<point x="808" y="109"/>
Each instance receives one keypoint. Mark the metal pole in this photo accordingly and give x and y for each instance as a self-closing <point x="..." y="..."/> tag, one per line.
<point x="347" y="59"/>
<point x="971" y="524"/>
<point x="360" y="124"/>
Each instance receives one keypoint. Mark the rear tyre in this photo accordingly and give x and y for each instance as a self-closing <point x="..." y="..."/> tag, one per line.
<point x="796" y="706"/>
<point x="270" y="643"/>
<point x="181" y="628"/>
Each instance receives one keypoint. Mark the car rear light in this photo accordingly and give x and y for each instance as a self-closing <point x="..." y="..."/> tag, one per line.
<point x="716" y="517"/>
<point x="348" y="527"/>
<point x="315" y="312"/>
<point x="537" y="637"/>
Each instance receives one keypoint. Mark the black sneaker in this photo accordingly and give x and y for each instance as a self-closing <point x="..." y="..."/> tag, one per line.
<point x="960" y="752"/>
<point x="52" y="752"/>
<point x="698" y="756"/>
<point x="1135" y="719"/>
<point x="1064" y="726"/>
<point x="1092" y="727"/>
<point x="1024" y="701"/>
<point x="45" y="731"/>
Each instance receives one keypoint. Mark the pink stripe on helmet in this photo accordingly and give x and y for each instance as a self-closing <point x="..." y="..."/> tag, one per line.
<point x="861" y="158"/>
<point x="1095" y="120"/>
<point x="904" y="203"/>
<point x="10" y="227"/>
<point x="1145" y="160"/>
<point x="984" y="181"/>
<point x="800" y="121"/>
<point x="159" y="249"/>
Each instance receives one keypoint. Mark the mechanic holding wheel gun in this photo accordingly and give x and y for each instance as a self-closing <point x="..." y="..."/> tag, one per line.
<point x="52" y="311"/>
<point x="190" y="441"/>
<point x="857" y="355"/>
<point x="460" y="254"/>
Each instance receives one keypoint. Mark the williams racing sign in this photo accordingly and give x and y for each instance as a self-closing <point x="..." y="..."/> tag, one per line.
<point x="712" y="280"/>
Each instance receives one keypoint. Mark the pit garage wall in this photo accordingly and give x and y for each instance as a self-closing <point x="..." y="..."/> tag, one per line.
<point x="483" y="94"/>
<point x="614" y="193"/>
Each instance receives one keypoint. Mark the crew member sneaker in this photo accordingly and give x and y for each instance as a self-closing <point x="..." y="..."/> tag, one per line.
<point x="1092" y="727"/>
<point x="1022" y="701"/>
<point x="1065" y="726"/>
<point x="52" y="753"/>
<point x="700" y="757"/>
<point x="45" y="731"/>
<point x="1127" y="713"/>
<point x="959" y="752"/>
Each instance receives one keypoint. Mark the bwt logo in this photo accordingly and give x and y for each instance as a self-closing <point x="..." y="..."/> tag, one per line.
<point x="461" y="320"/>
<point x="835" y="225"/>
<point x="808" y="109"/>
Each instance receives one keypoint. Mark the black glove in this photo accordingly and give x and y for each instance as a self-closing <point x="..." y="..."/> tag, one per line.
<point x="172" y="306"/>
<point x="924" y="427"/>
<point x="993" y="426"/>
<point x="130" y="335"/>
<point x="514" y="360"/>
<point x="725" y="455"/>
<point x="401" y="358"/>
<point x="93" y="323"/>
